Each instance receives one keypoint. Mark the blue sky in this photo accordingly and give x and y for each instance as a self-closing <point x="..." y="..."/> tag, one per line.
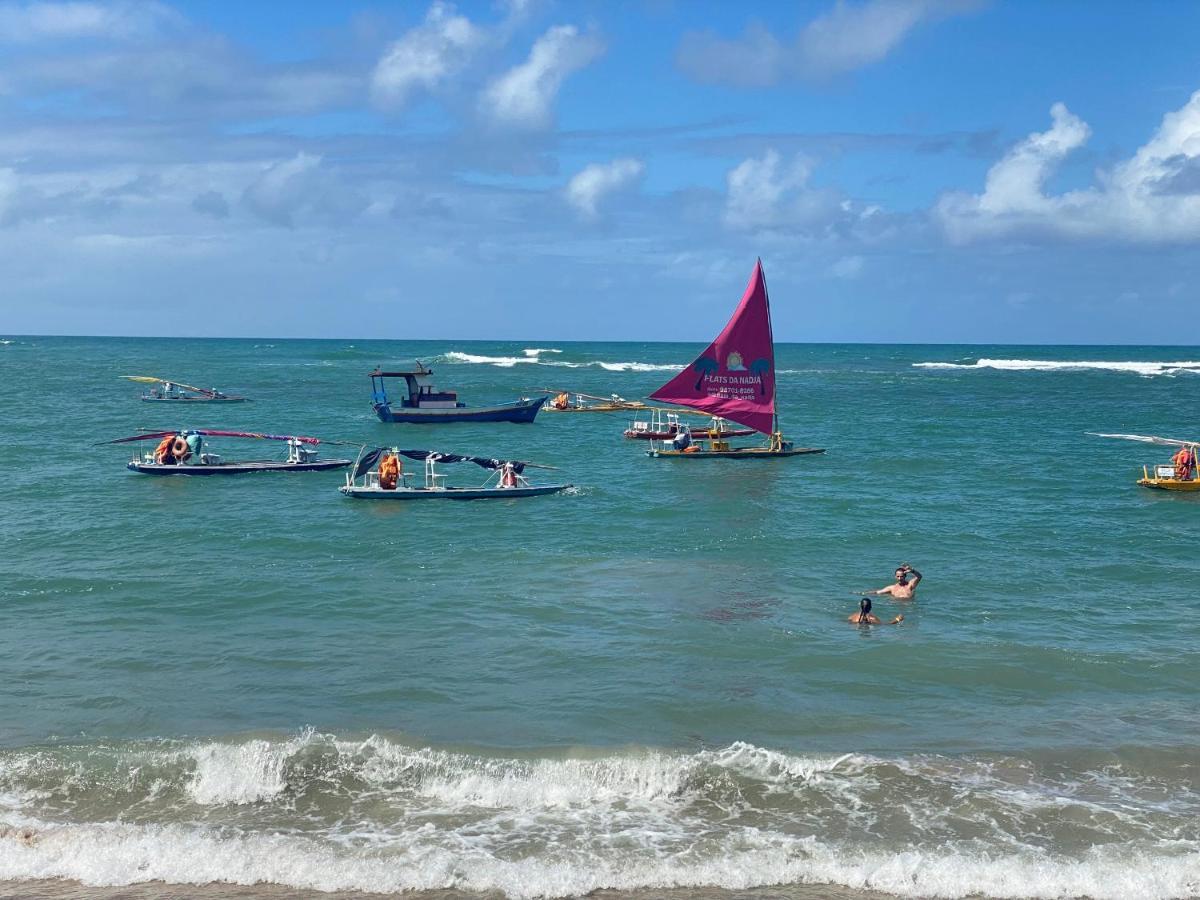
<point x="909" y="170"/>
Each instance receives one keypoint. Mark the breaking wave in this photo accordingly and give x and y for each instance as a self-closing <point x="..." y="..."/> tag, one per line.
<point x="533" y="356"/>
<point x="1147" y="369"/>
<point x="315" y="811"/>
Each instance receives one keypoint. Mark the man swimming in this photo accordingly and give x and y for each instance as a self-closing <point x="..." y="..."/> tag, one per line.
<point x="903" y="589"/>
<point x="864" y="616"/>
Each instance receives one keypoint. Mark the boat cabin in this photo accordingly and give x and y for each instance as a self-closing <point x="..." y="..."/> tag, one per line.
<point x="421" y="392"/>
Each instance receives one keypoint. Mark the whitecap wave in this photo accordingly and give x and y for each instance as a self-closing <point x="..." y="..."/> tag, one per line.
<point x="317" y="812"/>
<point x="638" y="366"/>
<point x="1134" y="367"/>
<point x="533" y="356"/>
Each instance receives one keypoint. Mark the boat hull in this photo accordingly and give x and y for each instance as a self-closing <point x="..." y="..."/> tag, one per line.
<point x="451" y="493"/>
<point x="1170" y="484"/>
<point x="602" y="407"/>
<point x="195" y="399"/>
<point x="668" y="435"/>
<point x="521" y="411"/>
<point x="242" y="468"/>
<point x="735" y="453"/>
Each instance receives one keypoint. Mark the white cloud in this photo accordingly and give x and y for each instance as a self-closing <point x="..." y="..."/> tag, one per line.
<point x="850" y="36"/>
<point x="1153" y="196"/>
<point x="285" y="189"/>
<point x="768" y="193"/>
<point x="28" y="22"/>
<point x="524" y="95"/>
<point x="426" y="56"/>
<point x="589" y="186"/>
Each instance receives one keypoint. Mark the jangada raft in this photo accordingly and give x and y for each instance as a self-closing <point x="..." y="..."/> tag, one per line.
<point x="184" y="453"/>
<point x="567" y="401"/>
<point x="1180" y="474"/>
<point x="178" y="392"/>
<point x="733" y="379"/>
<point x="379" y="475"/>
<point x="426" y="404"/>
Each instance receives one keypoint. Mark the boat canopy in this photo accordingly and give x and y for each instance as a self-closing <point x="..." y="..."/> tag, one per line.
<point x="158" y="435"/>
<point x="735" y="377"/>
<point x="403" y="370"/>
<point x="371" y="457"/>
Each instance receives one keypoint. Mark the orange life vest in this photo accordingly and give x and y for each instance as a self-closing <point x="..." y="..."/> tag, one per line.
<point x="1184" y="461"/>
<point x="389" y="472"/>
<point x="562" y="401"/>
<point x="163" y="450"/>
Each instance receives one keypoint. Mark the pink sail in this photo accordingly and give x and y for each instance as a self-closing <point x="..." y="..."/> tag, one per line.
<point x="735" y="377"/>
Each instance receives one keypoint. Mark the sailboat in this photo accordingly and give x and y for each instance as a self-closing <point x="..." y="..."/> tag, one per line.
<point x="733" y="379"/>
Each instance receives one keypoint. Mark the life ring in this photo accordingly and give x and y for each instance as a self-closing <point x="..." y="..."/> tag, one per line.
<point x="180" y="449"/>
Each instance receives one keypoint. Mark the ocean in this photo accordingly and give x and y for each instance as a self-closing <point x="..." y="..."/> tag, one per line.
<point x="645" y="686"/>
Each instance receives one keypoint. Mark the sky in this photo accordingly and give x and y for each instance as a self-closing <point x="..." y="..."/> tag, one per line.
<point x="908" y="170"/>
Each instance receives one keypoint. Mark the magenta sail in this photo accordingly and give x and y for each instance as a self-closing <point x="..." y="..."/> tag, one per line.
<point x="735" y="377"/>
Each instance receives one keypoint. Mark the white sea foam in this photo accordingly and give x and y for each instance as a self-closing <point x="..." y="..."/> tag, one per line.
<point x="502" y="361"/>
<point x="400" y="818"/>
<point x="1147" y="369"/>
<point x="118" y="854"/>
<point x="533" y="356"/>
<point x="239" y="773"/>
<point x="638" y="366"/>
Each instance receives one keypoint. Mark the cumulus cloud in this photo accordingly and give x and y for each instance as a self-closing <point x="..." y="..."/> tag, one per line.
<point x="589" y="186"/>
<point x="524" y="95"/>
<point x="766" y="192"/>
<point x="29" y="22"/>
<point x="425" y="57"/>
<point x="286" y="189"/>
<point x="1153" y="196"/>
<point x="848" y="37"/>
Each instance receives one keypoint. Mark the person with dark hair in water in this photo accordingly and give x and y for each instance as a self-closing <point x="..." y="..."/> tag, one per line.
<point x="905" y="587"/>
<point x="864" y="616"/>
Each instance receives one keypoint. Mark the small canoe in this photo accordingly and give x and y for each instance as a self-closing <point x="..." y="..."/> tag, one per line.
<point x="237" y="468"/>
<point x="147" y="398"/>
<point x="599" y="407"/>
<point x="734" y="453"/>
<point x="374" y="492"/>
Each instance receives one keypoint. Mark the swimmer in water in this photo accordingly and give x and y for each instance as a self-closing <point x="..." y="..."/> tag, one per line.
<point x="864" y="616"/>
<point x="904" y="588"/>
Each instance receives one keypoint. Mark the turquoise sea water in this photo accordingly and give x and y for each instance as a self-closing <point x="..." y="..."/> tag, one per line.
<point x="646" y="682"/>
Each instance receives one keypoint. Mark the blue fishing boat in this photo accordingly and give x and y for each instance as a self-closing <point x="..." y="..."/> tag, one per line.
<point x="425" y="404"/>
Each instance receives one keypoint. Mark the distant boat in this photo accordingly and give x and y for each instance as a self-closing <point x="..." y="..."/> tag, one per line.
<point x="733" y="379"/>
<point x="183" y="453"/>
<point x="425" y="404"/>
<point x="177" y="392"/>
<point x="1181" y="474"/>
<point x="379" y="475"/>
<point x="563" y="401"/>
